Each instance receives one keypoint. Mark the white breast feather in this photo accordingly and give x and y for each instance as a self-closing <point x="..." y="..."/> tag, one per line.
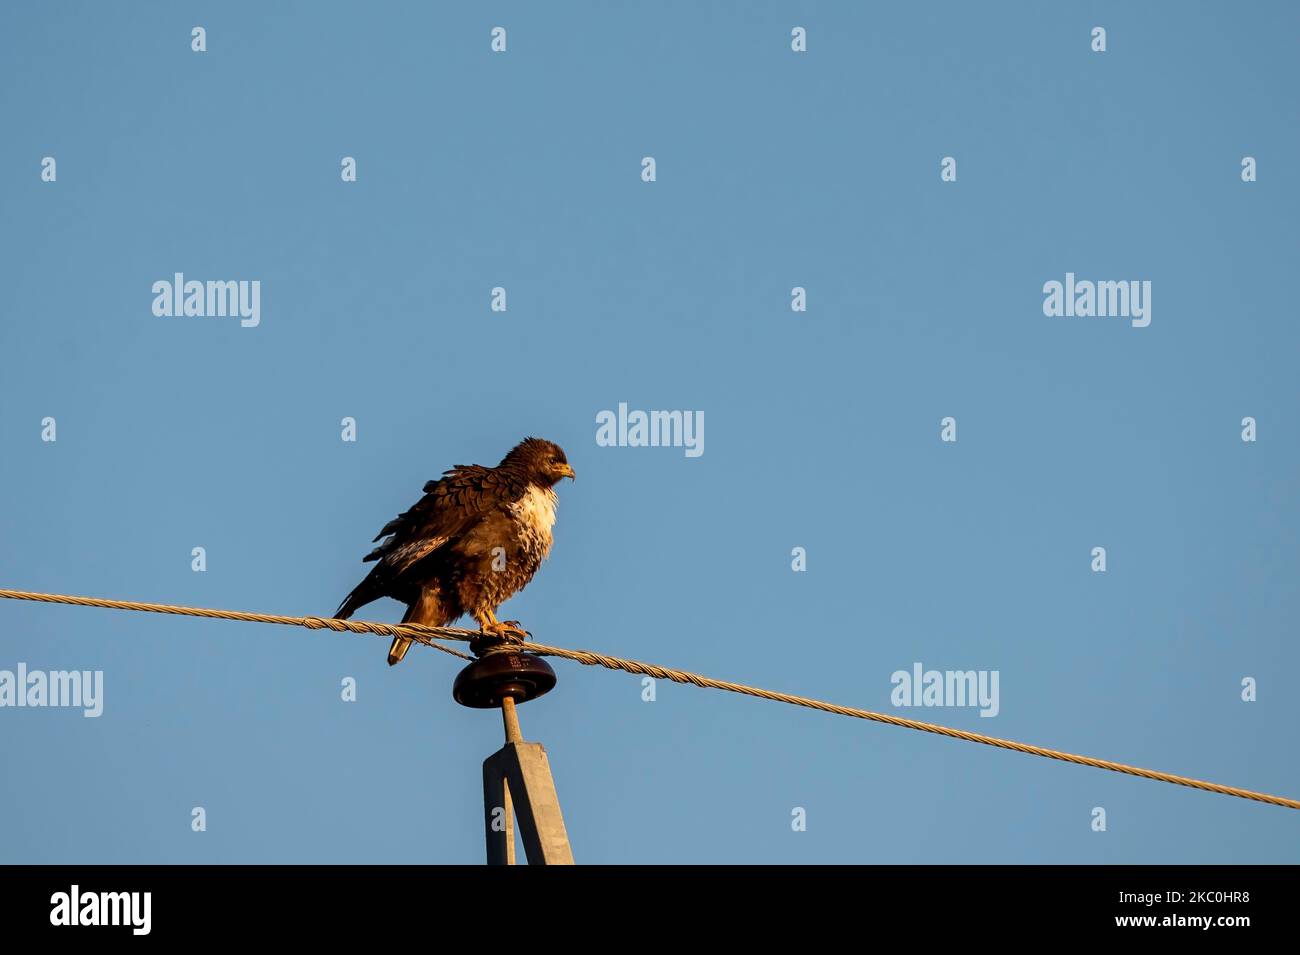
<point x="536" y="510"/>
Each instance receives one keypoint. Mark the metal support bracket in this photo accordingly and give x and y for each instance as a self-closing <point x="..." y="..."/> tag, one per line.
<point x="517" y="785"/>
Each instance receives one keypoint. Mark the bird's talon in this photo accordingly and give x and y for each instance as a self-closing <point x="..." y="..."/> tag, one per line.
<point x="507" y="631"/>
<point x="516" y="630"/>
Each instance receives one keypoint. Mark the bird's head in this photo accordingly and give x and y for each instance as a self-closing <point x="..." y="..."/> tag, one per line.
<point x="542" y="462"/>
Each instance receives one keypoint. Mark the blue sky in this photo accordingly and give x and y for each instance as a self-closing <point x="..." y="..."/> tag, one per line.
<point x="774" y="170"/>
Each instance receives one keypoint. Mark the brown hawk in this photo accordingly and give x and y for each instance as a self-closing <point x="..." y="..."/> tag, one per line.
<point x="474" y="540"/>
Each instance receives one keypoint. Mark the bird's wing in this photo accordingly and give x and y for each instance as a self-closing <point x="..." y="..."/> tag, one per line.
<point x="449" y="508"/>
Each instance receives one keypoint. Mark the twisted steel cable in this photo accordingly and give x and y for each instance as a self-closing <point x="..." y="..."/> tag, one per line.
<point x="429" y="635"/>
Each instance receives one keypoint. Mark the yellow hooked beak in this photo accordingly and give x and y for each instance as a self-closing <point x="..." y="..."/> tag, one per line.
<point x="565" y="470"/>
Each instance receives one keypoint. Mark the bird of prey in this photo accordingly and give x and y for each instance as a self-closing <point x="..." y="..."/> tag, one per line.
<point x="474" y="540"/>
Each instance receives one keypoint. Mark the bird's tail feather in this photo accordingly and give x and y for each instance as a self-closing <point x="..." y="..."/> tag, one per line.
<point x="426" y="610"/>
<point x="361" y="595"/>
<point x="398" y="650"/>
<point x="349" y="606"/>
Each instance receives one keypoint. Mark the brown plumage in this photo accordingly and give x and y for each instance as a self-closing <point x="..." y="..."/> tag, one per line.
<point x="475" y="539"/>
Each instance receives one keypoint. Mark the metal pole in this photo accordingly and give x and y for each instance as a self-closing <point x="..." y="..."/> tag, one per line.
<point x="510" y="717"/>
<point x="517" y="781"/>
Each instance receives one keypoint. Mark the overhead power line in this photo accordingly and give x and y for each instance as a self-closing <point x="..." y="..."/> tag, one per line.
<point x="428" y="636"/>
